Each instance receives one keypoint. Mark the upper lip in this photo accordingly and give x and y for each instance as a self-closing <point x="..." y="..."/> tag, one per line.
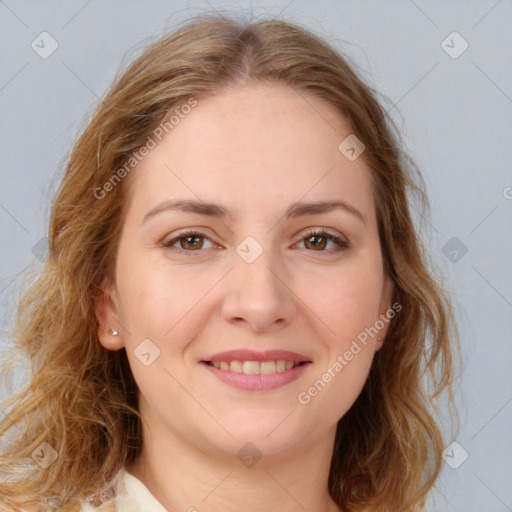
<point x="252" y="355"/>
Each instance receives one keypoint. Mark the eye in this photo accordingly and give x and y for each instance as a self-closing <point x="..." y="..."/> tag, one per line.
<point x="190" y="241"/>
<point x="318" y="239"/>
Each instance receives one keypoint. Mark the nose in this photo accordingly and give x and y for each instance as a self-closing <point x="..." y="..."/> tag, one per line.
<point x="259" y="294"/>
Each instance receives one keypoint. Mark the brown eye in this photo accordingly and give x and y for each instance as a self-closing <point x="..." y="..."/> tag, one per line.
<point x="191" y="242"/>
<point x="318" y="240"/>
<point x="188" y="242"/>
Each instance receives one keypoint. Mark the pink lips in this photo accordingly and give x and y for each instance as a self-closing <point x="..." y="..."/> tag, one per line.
<point x="257" y="382"/>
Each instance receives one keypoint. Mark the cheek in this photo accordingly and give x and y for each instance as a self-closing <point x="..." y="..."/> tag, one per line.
<point x="347" y="300"/>
<point x="162" y="303"/>
<point x="349" y="307"/>
<point x="348" y="304"/>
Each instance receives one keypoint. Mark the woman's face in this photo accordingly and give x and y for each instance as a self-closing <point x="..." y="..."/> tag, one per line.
<point x="254" y="290"/>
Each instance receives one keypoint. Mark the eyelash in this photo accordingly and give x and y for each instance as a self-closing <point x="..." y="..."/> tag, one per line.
<point x="340" y="242"/>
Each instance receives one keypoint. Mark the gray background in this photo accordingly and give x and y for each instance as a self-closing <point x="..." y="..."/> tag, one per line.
<point x="455" y="114"/>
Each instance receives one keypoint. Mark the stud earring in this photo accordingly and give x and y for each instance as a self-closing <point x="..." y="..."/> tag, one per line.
<point x="113" y="332"/>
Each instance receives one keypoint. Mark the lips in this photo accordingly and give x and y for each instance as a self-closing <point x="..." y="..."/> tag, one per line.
<point x="253" y="370"/>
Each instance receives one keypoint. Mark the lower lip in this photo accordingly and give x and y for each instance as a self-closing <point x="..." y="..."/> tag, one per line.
<point x="258" y="382"/>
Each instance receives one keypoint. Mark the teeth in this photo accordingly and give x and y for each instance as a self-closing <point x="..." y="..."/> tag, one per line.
<point x="268" y="367"/>
<point x="251" y="367"/>
<point x="255" y="367"/>
<point x="235" y="366"/>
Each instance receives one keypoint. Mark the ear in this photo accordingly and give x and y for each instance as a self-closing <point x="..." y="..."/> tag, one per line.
<point x="107" y="314"/>
<point x="386" y="313"/>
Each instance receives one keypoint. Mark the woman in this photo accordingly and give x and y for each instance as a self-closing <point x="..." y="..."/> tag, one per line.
<point x="236" y="310"/>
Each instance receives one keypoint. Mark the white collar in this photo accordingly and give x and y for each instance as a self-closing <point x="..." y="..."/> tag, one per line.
<point x="131" y="496"/>
<point x="133" y="492"/>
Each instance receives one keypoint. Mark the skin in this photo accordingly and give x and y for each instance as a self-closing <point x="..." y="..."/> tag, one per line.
<point x="255" y="149"/>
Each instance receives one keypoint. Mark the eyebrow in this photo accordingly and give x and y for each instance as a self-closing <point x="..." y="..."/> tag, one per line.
<point x="218" y="211"/>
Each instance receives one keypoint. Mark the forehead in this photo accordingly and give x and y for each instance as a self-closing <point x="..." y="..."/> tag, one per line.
<point x="251" y="146"/>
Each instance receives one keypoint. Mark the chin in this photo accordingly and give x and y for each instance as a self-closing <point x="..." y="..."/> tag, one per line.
<point x="266" y="436"/>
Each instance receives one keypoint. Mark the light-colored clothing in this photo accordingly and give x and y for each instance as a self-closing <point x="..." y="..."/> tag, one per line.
<point x="131" y="496"/>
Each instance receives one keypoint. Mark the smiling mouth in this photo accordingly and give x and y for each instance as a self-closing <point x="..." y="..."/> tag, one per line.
<point x="256" y="367"/>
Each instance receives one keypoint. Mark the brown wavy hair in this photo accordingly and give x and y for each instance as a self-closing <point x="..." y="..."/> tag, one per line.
<point x="82" y="399"/>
